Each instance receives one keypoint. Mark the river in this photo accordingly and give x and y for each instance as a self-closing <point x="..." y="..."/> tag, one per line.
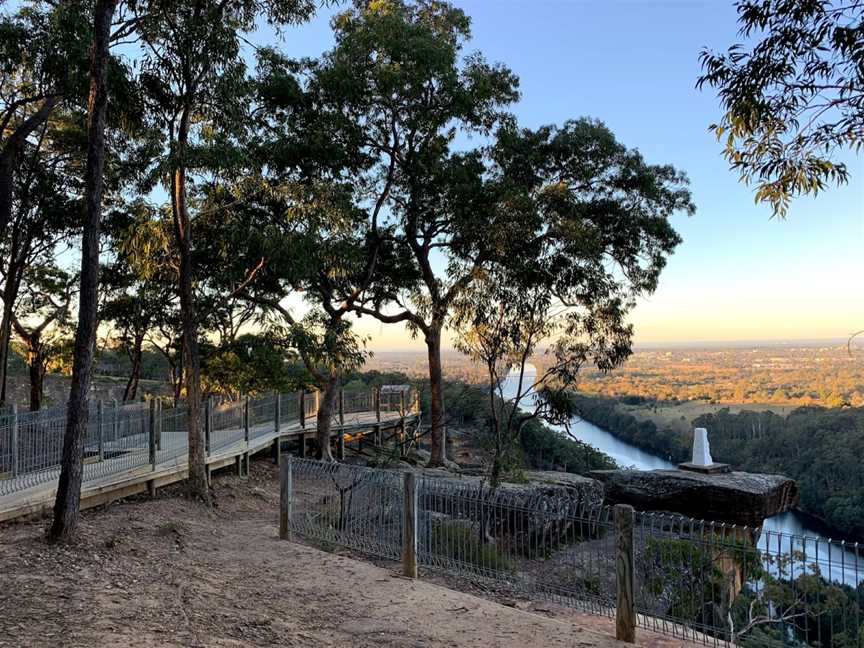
<point x="780" y="533"/>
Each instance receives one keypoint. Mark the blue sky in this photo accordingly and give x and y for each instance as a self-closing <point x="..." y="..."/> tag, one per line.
<point x="738" y="275"/>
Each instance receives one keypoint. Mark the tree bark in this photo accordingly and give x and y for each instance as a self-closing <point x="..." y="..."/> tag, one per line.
<point x="135" y="374"/>
<point x="325" y="416"/>
<point x="197" y="482"/>
<point x="436" y="388"/>
<point x="36" y="361"/>
<point x="68" y="499"/>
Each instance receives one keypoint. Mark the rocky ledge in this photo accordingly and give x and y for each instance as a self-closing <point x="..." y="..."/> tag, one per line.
<point x="733" y="497"/>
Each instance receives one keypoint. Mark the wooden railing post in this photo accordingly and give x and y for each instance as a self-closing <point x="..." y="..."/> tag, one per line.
<point x="277" y="424"/>
<point x="245" y="456"/>
<point x="402" y="414"/>
<point x="158" y="423"/>
<point x="625" y="610"/>
<point x="100" y="428"/>
<point x="340" y="444"/>
<point x="152" y="433"/>
<point x="208" y="424"/>
<point x="303" y="409"/>
<point x="409" y="526"/>
<point x="115" y="419"/>
<point x="317" y="394"/>
<point x="13" y="423"/>
<point x="376" y="396"/>
<point x="285" y="494"/>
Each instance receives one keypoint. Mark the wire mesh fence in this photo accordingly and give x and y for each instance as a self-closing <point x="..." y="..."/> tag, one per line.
<point x="125" y="438"/>
<point x="713" y="584"/>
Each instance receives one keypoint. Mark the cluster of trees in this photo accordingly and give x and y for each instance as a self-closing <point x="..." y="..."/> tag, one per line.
<point x="237" y="181"/>
<point x="817" y="447"/>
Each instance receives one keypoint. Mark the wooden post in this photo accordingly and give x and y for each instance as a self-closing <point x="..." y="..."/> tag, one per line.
<point x="409" y="526"/>
<point x="115" y="419"/>
<point x="208" y="424"/>
<point x="158" y="422"/>
<point x="317" y="402"/>
<point x="303" y="410"/>
<point x="277" y="423"/>
<point x="13" y="422"/>
<point x="303" y="445"/>
<point x="152" y="434"/>
<point x="246" y="434"/>
<point x="285" y="504"/>
<point x="376" y="396"/>
<point x="340" y="445"/>
<point x="625" y="610"/>
<point x="100" y="428"/>
<point x="402" y="414"/>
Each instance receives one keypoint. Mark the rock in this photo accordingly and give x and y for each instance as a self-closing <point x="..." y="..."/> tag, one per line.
<point x="733" y="497"/>
<point x="550" y="508"/>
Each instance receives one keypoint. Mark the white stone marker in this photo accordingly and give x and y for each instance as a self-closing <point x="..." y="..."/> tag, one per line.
<point x="701" y="449"/>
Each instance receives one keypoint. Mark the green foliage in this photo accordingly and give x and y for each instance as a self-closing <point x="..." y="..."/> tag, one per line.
<point x="793" y="97"/>
<point x="248" y="365"/>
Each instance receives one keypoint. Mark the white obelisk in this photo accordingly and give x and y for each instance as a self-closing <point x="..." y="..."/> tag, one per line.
<point x="701" y="449"/>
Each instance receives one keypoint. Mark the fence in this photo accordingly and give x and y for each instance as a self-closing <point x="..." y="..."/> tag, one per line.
<point x="125" y="438"/>
<point x="710" y="583"/>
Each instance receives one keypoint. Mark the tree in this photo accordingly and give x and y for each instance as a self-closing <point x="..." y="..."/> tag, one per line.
<point x="67" y="501"/>
<point x="42" y="322"/>
<point x="42" y="69"/>
<point x="593" y="221"/>
<point x="195" y="77"/>
<point x="398" y="88"/>
<point x="793" y="98"/>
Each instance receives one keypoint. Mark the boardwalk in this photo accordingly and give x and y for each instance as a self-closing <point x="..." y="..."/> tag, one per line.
<point x="139" y="447"/>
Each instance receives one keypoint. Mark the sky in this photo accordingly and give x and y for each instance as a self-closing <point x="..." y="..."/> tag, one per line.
<point x="739" y="274"/>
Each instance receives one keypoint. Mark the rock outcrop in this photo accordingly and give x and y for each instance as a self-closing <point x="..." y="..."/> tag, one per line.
<point x="734" y="497"/>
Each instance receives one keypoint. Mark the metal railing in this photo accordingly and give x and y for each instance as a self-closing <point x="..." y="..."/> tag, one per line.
<point x="709" y="583"/>
<point x="125" y="438"/>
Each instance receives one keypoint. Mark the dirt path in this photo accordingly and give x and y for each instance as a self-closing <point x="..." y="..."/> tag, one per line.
<point x="166" y="572"/>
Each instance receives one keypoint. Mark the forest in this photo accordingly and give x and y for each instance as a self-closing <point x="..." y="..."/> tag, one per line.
<point x="819" y="447"/>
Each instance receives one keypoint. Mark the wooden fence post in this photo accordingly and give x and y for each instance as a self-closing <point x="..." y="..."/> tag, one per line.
<point x="340" y="445"/>
<point x="625" y="610"/>
<point x="409" y="526"/>
<point x="317" y="402"/>
<point x="285" y="494"/>
<point x="13" y="423"/>
<point x="100" y="428"/>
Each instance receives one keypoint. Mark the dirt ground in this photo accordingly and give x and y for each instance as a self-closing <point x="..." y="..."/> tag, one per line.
<point x="167" y="572"/>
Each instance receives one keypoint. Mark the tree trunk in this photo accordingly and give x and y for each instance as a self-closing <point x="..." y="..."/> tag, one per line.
<point x="135" y="374"/>
<point x="10" y="293"/>
<point x="436" y="388"/>
<point x="36" y="361"/>
<point x="197" y="483"/>
<point x="325" y="416"/>
<point x="68" y="499"/>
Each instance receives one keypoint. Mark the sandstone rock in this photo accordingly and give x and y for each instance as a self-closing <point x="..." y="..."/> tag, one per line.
<point x="734" y="497"/>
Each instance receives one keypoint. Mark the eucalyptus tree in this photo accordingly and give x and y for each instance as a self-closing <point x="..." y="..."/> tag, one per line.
<point x="195" y="76"/>
<point x="598" y="240"/>
<point x="792" y="95"/>
<point x="68" y="497"/>
<point x="42" y="322"/>
<point x="399" y="88"/>
<point x="42" y="80"/>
